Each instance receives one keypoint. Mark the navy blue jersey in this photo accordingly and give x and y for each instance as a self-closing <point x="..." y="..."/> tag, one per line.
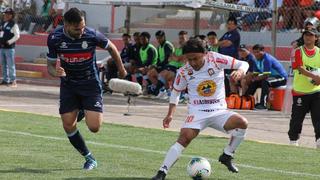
<point x="77" y="56"/>
<point x="231" y="50"/>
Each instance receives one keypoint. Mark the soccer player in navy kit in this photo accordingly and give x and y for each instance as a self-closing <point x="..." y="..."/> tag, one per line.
<point x="75" y="45"/>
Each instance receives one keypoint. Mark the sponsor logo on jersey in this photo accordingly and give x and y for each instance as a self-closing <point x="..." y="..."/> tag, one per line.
<point x="221" y="61"/>
<point x="98" y="104"/>
<point x="210" y="71"/>
<point x="206" y="88"/>
<point x="207" y="110"/>
<point x="205" y="101"/>
<point x="75" y="57"/>
<point x="299" y="102"/>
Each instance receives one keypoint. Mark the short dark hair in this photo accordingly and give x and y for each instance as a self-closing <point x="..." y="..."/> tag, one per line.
<point x="232" y="19"/>
<point x="194" y="46"/>
<point x="73" y="16"/>
<point x="145" y="34"/>
<point x="160" y="33"/>
<point x="259" y="47"/>
<point x="136" y="34"/>
<point x="183" y="33"/>
<point x="126" y="35"/>
<point x="201" y="36"/>
<point x="212" y="33"/>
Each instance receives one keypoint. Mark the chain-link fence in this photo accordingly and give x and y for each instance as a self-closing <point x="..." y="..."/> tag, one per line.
<point x="273" y="23"/>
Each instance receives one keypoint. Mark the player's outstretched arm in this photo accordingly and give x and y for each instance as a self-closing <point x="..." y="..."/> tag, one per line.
<point x="55" y="71"/>
<point x="116" y="56"/>
<point x="51" y="65"/>
<point x="174" y="100"/>
<point x="241" y="69"/>
<point x="168" y="118"/>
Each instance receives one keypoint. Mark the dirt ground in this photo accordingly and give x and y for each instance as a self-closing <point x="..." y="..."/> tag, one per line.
<point x="266" y="126"/>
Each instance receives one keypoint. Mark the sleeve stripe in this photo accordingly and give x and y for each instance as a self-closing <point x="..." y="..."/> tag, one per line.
<point x="107" y="45"/>
<point x="178" y="90"/>
<point x="52" y="59"/>
<point x="232" y="64"/>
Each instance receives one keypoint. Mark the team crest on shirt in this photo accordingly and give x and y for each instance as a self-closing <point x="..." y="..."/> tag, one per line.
<point x="190" y="72"/>
<point x="63" y="45"/>
<point x="206" y="88"/>
<point x="84" y="45"/>
<point x="210" y="71"/>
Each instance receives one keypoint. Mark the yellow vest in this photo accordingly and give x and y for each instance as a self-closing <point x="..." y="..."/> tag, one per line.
<point x="302" y="83"/>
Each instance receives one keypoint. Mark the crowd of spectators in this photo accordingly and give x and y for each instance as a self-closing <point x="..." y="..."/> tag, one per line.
<point x="30" y="22"/>
<point x="292" y="14"/>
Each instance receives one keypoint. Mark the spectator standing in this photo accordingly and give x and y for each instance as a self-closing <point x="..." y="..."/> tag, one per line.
<point x="9" y="34"/>
<point x="228" y="45"/>
<point x="306" y="87"/>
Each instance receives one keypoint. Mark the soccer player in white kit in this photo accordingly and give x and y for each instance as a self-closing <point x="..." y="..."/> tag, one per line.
<point x="203" y="76"/>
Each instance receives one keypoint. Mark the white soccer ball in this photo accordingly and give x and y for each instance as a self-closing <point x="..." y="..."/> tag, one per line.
<point x="199" y="167"/>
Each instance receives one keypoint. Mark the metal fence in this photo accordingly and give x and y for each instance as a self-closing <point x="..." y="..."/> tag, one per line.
<point x="274" y="23"/>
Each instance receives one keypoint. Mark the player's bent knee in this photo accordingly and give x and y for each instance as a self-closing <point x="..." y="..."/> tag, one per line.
<point x="236" y="121"/>
<point x="186" y="136"/>
<point x="184" y="141"/>
<point x="94" y="129"/>
<point x="242" y="123"/>
<point x="68" y="127"/>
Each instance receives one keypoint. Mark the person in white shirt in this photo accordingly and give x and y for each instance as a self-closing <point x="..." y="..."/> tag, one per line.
<point x="56" y="12"/>
<point x="203" y="76"/>
<point x="9" y="34"/>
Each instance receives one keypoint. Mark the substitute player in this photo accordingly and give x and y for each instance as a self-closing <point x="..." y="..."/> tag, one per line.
<point x="75" y="45"/>
<point x="203" y="75"/>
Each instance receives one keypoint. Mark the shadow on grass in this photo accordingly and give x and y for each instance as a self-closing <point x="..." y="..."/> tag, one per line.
<point x="34" y="171"/>
<point x="108" y="178"/>
<point x="120" y="178"/>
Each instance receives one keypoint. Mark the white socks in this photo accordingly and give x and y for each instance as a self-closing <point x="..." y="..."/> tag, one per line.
<point x="237" y="136"/>
<point x="172" y="156"/>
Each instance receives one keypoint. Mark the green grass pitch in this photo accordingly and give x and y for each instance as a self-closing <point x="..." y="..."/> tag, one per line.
<point x="36" y="147"/>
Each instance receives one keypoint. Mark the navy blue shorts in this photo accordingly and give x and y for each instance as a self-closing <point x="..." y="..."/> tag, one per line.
<point x="88" y="97"/>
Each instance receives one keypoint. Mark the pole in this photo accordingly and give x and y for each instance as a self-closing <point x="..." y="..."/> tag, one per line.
<point x="274" y="27"/>
<point x="112" y="18"/>
<point x="127" y="21"/>
<point x="196" y="21"/>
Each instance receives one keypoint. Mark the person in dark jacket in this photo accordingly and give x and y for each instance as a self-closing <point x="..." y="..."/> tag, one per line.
<point x="9" y="34"/>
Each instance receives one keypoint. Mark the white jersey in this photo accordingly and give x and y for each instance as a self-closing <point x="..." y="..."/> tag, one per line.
<point x="206" y="89"/>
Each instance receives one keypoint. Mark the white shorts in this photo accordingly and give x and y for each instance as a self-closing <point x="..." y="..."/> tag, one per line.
<point x="216" y="120"/>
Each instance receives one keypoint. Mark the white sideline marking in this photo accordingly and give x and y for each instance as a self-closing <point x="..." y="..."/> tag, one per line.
<point x="138" y="149"/>
<point x="105" y="105"/>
